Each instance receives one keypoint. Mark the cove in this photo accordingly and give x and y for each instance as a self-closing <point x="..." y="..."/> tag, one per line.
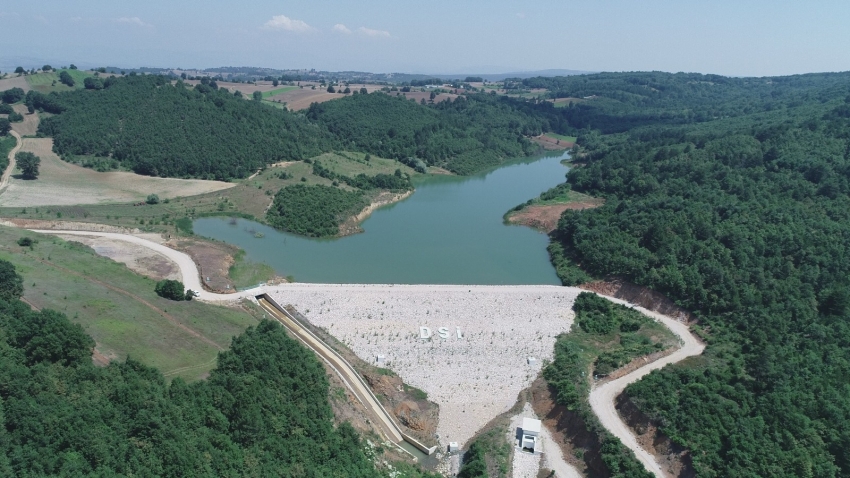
<point x="450" y="231"/>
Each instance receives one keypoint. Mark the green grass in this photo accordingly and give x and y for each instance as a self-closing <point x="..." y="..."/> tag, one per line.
<point x="270" y="93"/>
<point x="351" y="164"/>
<point x="245" y="273"/>
<point x="64" y="276"/>
<point x="48" y="82"/>
<point x="569" y="139"/>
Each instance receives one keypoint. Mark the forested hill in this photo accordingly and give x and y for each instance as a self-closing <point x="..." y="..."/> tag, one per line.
<point x="616" y="102"/>
<point x="745" y="221"/>
<point x="466" y="135"/>
<point x="160" y="129"/>
<point x="262" y="412"/>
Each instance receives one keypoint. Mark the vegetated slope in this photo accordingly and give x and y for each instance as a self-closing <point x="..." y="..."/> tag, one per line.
<point x="617" y="102"/>
<point x="159" y="129"/>
<point x="746" y="222"/>
<point x="466" y="135"/>
<point x="314" y="211"/>
<point x="262" y="412"/>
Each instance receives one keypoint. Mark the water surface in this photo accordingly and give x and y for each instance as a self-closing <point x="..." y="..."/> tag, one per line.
<point x="450" y="231"/>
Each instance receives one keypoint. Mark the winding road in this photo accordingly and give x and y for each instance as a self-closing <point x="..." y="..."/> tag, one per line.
<point x="602" y="398"/>
<point x="4" y="181"/>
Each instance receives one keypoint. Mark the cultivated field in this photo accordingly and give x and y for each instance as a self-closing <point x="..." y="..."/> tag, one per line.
<point x="47" y="82"/>
<point x="29" y="125"/>
<point x="474" y="378"/>
<point x="61" y="183"/>
<point x="15" y="82"/>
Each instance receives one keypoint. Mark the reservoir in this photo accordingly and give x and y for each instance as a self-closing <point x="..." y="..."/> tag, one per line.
<point x="450" y="231"/>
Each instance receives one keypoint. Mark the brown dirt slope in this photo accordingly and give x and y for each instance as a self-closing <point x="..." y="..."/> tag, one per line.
<point x="544" y="217"/>
<point x="29" y="125"/>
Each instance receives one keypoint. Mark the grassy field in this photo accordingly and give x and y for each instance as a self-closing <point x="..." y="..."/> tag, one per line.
<point x="569" y="139"/>
<point x="245" y="273"/>
<point x="119" y="308"/>
<point x="49" y="81"/>
<point x="278" y="91"/>
<point x="352" y="164"/>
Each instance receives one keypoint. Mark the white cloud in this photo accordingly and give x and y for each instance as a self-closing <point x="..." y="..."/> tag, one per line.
<point x="373" y="33"/>
<point x="134" y="21"/>
<point x="282" y="22"/>
<point x="340" y="28"/>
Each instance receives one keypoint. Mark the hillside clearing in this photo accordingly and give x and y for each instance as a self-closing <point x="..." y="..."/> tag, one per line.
<point x="61" y="183"/>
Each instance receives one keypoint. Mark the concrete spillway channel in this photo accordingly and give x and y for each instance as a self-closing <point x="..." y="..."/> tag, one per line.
<point x="385" y="422"/>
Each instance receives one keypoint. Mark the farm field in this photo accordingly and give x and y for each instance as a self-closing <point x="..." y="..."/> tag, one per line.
<point x="119" y="308"/>
<point x="61" y="183"/>
<point x="27" y="127"/>
<point x="15" y="82"/>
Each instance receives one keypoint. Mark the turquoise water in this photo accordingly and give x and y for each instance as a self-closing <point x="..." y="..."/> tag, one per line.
<point x="450" y="231"/>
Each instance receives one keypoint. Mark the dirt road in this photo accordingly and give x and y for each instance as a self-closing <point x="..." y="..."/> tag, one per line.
<point x="602" y="398"/>
<point x="4" y="181"/>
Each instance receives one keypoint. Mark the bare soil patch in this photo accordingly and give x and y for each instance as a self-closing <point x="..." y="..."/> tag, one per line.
<point x="544" y="217"/>
<point x="61" y="183"/>
<point x="29" y="125"/>
<point x="137" y="258"/>
<point x="384" y="198"/>
<point x="301" y="99"/>
<point x="15" y="82"/>
<point x="552" y="144"/>
<point x="213" y="260"/>
<point x="642" y="296"/>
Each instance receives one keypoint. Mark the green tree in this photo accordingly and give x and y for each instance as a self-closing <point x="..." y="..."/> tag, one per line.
<point x="364" y="91"/>
<point x="13" y="95"/>
<point x="331" y="89"/>
<point x="11" y="283"/>
<point x="66" y="78"/>
<point x="46" y="68"/>
<point x="93" y="83"/>
<point x="5" y="126"/>
<point x="20" y="70"/>
<point x="72" y="67"/>
<point x="28" y="164"/>
<point x="258" y="96"/>
<point x="275" y="82"/>
<point x="152" y="199"/>
<point x="347" y="90"/>
<point x="170" y="289"/>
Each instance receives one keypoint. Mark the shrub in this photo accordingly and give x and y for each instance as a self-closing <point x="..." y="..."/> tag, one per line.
<point x="170" y="289"/>
<point x="152" y="199"/>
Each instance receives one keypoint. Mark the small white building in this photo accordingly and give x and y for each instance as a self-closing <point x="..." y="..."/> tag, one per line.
<point x="453" y="446"/>
<point x="379" y="359"/>
<point x="530" y="434"/>
<point x="531" y="361"/>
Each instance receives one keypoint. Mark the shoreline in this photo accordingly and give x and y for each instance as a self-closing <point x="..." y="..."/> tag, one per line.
<point x="352" y="224"/>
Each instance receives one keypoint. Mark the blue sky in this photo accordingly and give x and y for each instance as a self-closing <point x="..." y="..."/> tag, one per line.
<point x="742" y="38"/>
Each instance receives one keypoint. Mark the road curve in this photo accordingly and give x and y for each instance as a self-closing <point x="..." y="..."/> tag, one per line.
<point x="4" y="180"/>
<point x="602" y="398"/>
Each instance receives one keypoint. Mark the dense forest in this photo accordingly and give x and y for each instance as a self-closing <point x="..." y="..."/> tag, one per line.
<point x="263" y="411"/>
<point x="730" y="196"/>
<point x="314" y="211"/>
<point x="466" y="135"/>
<point x="160" y="129"/>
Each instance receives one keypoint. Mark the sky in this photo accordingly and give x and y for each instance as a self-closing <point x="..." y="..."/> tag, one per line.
<point x="728" y="37"/>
